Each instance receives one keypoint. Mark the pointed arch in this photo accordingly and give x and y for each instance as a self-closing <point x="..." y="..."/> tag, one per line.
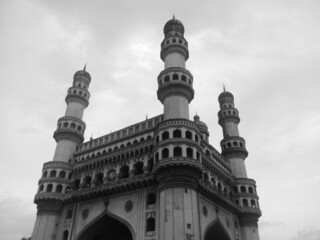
<point x="216" y="230"/>
<point x="118" y="228"/>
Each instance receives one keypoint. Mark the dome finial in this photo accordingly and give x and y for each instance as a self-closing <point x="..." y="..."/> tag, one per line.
<point x="85" y="66"/>
<point x="224" y="87"/>
<point x="173" y="17"/>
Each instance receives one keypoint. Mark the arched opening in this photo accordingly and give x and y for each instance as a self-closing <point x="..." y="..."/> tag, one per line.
<point x="59" y="188"/>
<point x="253" y="203"/>
<point x="250" y="190"/>
<point x="165" y="135"/>
<point x="65" y="235"/>
<point x="53" y="173"/>
<point x="177" y="133"/>
<point x="198" y="156"/>
<point x="175" y="76"/>
<point x="151" y="199"/>
<point x="62" y="174"/>
<point x="166" y="78"/>
<point x="45" y="173"/>
<point x="124" y="172"/>
<point x="87" y="182"/>
<point x="245" y="203"/>
<point x="165" y="153"/>
<point x="99" y="179"/>
<point x="151" y="224"/>
<point x="73" y="125"/>
<point x="150" y="164"/>
<point x="216" y="231"/>
<point x="206" y="177"/>
<point x="40" y="189"/>
<point x="177" y="152"/>
<point x="106" y="228"/>
<point x="49" y="188"/>
<point x="243" y="189"/>
<point x="189" y="135"/>
<point x="76" y="184"/>
<point x="183" y="77"/>
<point x="189" y="152"/>
<point x="138" y="168"/>
<point x="111" y="175"/>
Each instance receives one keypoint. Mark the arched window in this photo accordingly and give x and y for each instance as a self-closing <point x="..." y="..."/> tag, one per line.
<point x="40" y="189"/>
<point x="124" y="172"/>
<point x="243" y="189"/>
<point x="62" y="174"/>
<point x="128" y="144"/>
<point x="245" y="203"/>
<point x="150" y="164"/>
<point x="235" y="144"/>
<point x="53" y="173"/>
<point x="122" y="146"/>
<point x="87" y="181"/>
<point x="111" y="175"/>
<point x="157" y="156"/>
<point x="208" y="153"/>
<point x="157" y="139"/>
<point x="76" y="184"/>
<point x="149" y="137"/>
<point x="151" y="224"/>
<point x="138" y="168"/>
<point x="44" y="174"/>
<point x="183" y="78"/>
<point x="189" y="135"/>
<point x="177" y="133"/>
<point x="190" y="152"/>
<point x="135" y="141"/>
<point x="79" y="128"/>
<point x="253" y="203"/>
<point x="241" y="144"/>
<point x="165" y="135"/>
<point x="219" y="187"/>
<point x="175" y="76"/>
<point x="174" y="40"/>
<point x="167" y="78"/>
<point x="206" y="177"/>
<point x="67" y="189"/>
<point x="65" y="125"/>
<point x="250" y="190"/>
<point x="99" y="179"/>
<point x="49" y="188"/>
<point x="165" y="153"/>
<point x="73" y="125"/>
<point x="235" y="189"/>
<point x="237" y="202"/>
<point x="177" y="152"/>
<point x="198" y="156"/>
<point x="229" y="144"/>
<point x="70" y="176"/>
<point x="213" y="182"/>
<point x="151" y="199"/>
<point x="225" y="191"/>
<point x="197" y="138"/>
<point x="142" y="140"/>
<point x="59" y="188"/>
<point x="65" y="235"/>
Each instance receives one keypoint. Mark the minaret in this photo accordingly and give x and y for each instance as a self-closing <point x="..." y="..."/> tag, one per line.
<point x="175" y="82"/>
<point x="71" y="127"/>
<point x="233" y="146"/>
<point x="234" y="151"/>
<point x="56" y="176"/>
<point x="177" y="161"/>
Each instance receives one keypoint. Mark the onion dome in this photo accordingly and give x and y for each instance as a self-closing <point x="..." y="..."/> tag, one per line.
<point x="82" y="74"/>
<point x="225" y="94"/>
<point x="201" y="125"/>
<point x="173" y="25"/>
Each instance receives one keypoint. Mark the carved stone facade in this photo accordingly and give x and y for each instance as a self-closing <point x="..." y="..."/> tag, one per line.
<point x="158" y="179"/>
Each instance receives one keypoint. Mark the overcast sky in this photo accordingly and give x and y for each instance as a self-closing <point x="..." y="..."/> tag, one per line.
<point x="267" y="53"/>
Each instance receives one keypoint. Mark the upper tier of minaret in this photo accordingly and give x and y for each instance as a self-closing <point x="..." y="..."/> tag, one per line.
<point x="175" y="82"/>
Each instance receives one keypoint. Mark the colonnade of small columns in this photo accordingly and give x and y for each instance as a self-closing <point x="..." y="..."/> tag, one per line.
<point x="177" y="133"/>
<point x="180" y="150"/>
<point x="114" y="173"/>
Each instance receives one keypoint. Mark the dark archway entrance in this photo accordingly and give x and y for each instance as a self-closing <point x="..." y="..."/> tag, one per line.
<point x="216" y="232"/>
<point x="107" y="228"/>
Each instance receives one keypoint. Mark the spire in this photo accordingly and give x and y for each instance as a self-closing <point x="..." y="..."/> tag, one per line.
<point x="224" y="87"/>
<point x="173" y="17"/>
<point x="85" y="66"/>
